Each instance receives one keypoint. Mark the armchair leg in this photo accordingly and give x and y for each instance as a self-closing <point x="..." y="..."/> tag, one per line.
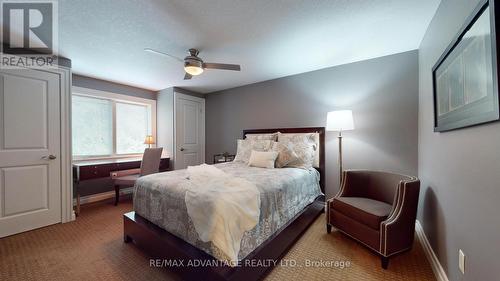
<point x="328" y="228"/>
<point x="117" y="194"/>
<point x="385" y="262"/>
<point x="127" y="238"/>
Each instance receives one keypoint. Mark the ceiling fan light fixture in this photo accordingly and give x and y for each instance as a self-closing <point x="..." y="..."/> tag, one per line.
<point x="193" y="66"/>
<point x="193" y="69"/>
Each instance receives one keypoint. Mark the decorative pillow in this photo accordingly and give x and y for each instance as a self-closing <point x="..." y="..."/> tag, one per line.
<point x="286" y="155"/>
<point x="246" y="146"/>
<point x="304" y="145"/>
<point x="262" y="159"/>
<point x="272" y="137"/>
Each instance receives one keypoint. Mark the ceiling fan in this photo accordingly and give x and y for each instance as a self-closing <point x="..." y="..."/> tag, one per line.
<point x="194" y="65"/>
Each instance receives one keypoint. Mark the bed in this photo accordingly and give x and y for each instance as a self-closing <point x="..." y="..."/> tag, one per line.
<point x="291" y="199"/>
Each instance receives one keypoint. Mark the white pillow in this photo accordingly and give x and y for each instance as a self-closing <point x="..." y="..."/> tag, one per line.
<point x="262" y="159"/>
<point x="246" y="146"/>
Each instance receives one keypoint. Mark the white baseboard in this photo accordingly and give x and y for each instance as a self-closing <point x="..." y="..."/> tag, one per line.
<point x="102" y="196"/>
<point x="429" y="252"/>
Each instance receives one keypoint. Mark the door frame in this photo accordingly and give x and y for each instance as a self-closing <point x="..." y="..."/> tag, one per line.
<point x="67" y="212"/>
<point x="178" y="95"/>
<point x="65" y="84"/>
<point x="66" y="169"/>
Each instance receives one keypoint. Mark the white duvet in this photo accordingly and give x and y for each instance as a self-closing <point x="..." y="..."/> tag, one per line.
<point x="222" y="207"/>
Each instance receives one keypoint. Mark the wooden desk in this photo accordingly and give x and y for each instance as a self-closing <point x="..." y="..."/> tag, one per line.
<point x="94" y="169"/>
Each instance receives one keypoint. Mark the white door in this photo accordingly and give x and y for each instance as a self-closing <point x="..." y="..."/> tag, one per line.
<point x="189" y="131"/>
<point x="30" y="165"/>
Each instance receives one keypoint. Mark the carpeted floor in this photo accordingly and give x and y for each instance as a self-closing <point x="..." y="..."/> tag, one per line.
<point x="92" y="248"/>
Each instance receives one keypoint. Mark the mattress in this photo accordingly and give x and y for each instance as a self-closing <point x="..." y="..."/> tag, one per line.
<point x="284" y="192"/>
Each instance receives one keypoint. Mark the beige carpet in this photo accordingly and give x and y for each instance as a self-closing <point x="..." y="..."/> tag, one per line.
<point x="92" y="248"/>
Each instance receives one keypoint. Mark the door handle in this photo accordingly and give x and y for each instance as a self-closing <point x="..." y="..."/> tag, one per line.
<point x="182" y="149"/>
<point x="49" y="157"/>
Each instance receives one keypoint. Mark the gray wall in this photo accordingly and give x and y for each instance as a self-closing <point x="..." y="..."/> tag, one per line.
<point x="188" y="92"/>
<point x="165" y="121"/>
<point x="103" y="185"/>
<point x="102" y="85"/>
<point x="382" y="92"/>
<point x="460" y="170"/>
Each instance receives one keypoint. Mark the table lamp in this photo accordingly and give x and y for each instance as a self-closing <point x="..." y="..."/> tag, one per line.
<point x="340" y="120"/>
<point x="149" y="140"/>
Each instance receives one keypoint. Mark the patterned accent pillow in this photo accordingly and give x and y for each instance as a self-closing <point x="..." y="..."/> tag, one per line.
<point x="286" y="155"/>
<point x="272" y="137"/>
<point x="246" y="146"/>
<point x="304" y="145"/>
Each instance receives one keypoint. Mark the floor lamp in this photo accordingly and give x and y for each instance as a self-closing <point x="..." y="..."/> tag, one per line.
<point x="338" y="121"/>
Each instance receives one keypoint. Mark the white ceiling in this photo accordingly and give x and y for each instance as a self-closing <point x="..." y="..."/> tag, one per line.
<point x="270" y="39"/>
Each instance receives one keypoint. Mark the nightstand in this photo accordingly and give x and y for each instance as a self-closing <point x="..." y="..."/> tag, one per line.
<point x="224" y="157"/>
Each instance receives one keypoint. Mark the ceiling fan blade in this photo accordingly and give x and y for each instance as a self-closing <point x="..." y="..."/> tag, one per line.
<point x="187" y="76"/>
<point x="223" y="66"/>
<point x="163" y="54"/>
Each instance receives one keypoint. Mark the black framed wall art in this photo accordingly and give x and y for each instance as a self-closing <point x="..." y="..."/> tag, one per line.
<point x="465" y="78"/>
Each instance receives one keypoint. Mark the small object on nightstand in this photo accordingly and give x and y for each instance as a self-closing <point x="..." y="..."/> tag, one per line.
<point x="224" y="157"/>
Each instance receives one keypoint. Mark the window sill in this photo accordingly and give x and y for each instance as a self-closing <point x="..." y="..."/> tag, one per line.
<point x="124" y="156"/>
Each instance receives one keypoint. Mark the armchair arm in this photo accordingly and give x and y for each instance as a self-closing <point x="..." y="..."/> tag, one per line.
<point x="341" y="191"/>
<point x="397" y="231"/>
<point x="354" y="183"/>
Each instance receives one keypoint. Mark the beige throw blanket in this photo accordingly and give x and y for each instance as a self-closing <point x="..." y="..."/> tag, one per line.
<point x="222" y="207"/>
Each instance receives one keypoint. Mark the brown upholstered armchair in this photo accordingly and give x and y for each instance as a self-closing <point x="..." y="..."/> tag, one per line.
<point x="378" y="209"/>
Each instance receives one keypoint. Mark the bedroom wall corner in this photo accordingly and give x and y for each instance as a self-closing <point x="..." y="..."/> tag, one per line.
<point x="382" y="92"/>
<point x="165" y="121"/>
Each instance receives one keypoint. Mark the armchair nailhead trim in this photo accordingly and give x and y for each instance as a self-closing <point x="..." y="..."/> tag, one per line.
<point x="392" y="219"/>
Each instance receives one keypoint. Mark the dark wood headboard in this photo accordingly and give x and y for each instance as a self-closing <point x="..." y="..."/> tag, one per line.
<point x="320" y="130"/>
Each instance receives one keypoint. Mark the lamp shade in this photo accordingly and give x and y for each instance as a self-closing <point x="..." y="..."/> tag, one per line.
<point x="340" y="120"/>
<point x="149" y="140"/>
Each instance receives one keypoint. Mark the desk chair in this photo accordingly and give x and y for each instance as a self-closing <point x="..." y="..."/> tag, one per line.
<point x="150" y="164"/>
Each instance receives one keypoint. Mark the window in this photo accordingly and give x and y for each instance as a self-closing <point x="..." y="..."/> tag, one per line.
<point x="110" y="125"/>
<point x="131" y="127"/>
<point x="92" y="126"/>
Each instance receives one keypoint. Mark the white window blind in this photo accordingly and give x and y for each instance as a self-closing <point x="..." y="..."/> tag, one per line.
<point x="104" y="126"/>
<point x="132" y="126"/>
<point x="92" y="126"/>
